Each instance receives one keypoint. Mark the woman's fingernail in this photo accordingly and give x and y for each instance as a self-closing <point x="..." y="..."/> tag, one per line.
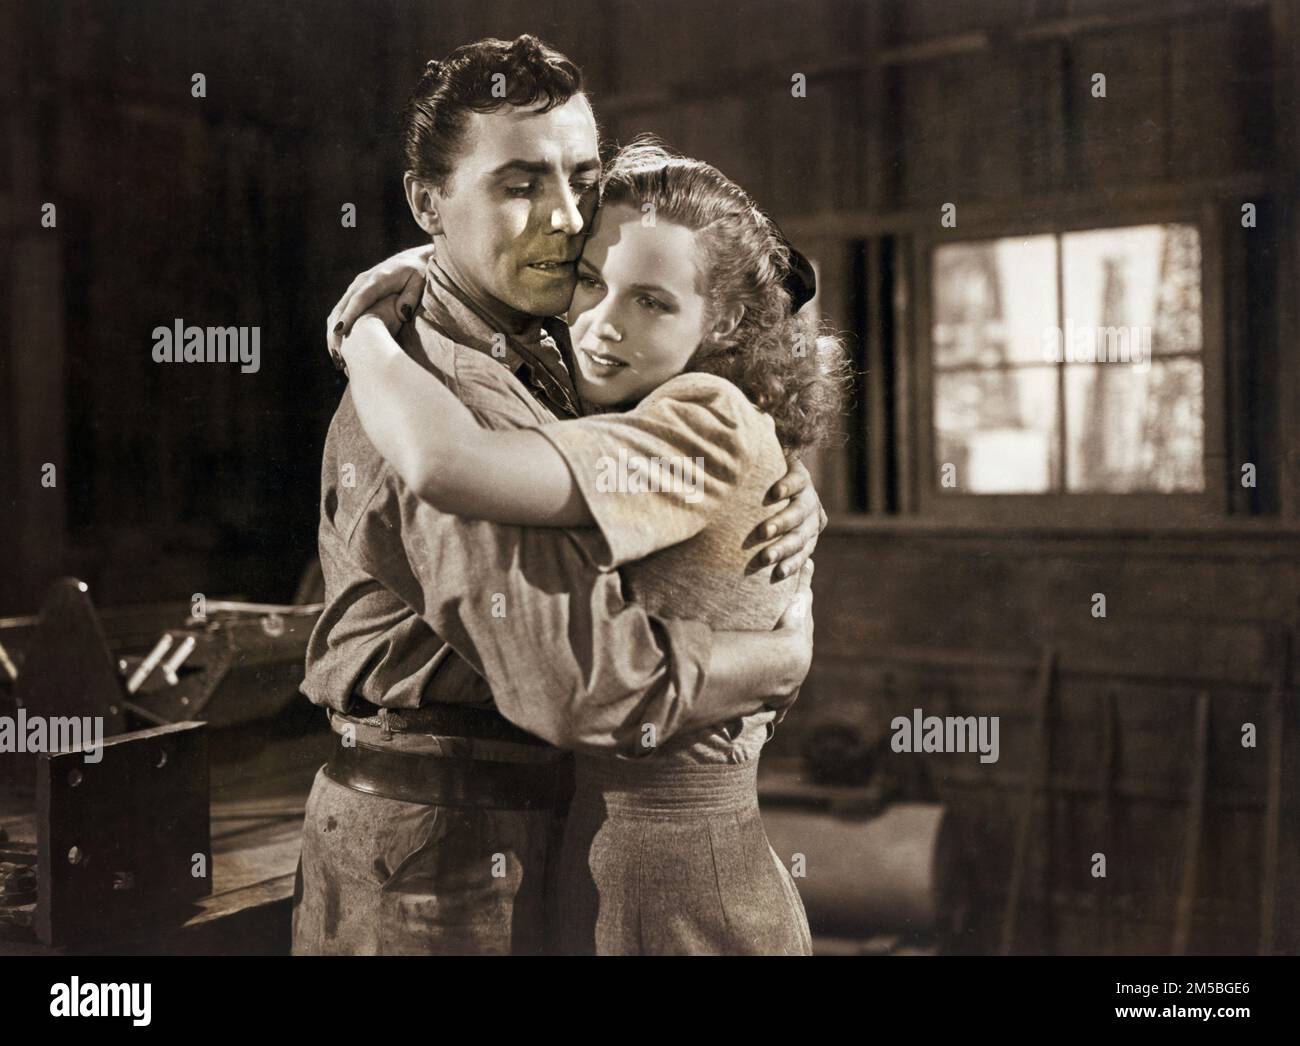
<point x="769" y="556"/>
<point x="769" y="530"/>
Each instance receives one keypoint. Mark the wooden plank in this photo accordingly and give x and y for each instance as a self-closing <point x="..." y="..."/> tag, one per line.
<point x="1029" y="797"/>
<point x="1285" y="42"/>
<point x="1195" y="818"/>
<point x="1273" y="811"/>
<point x="1214" y="100"/>
<point x="872" y="385"/>
<point x="1081" y="208"/>
<point x="877" y="103"/>
<point x="1107" y="767"/>
<point x="911" y="436"/>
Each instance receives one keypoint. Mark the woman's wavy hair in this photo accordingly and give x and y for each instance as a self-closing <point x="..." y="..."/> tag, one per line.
<point x="784" y="363"/>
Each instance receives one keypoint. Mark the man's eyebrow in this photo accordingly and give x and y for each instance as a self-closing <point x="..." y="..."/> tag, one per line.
<point x="538" y="167"/>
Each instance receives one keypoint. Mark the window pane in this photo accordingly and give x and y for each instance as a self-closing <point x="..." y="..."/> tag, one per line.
<point x="994" y="301"/>
<point x="998" y="427"/>
<point x="1140" y="286"/>
<point x="1134" y="428"/>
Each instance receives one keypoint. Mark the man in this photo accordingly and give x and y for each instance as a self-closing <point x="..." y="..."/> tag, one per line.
<point x="451" y="651"/>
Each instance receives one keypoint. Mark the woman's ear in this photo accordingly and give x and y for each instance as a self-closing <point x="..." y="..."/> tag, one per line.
<point x="423" y="201"/>
<point x="727" y="322"/>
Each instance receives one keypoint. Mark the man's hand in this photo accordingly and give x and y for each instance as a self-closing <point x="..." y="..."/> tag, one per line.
<point x="401" y="277"/>
<point x="752" y="671"/>
<point x="796" y="627"/>
<point x="795" y="527"/>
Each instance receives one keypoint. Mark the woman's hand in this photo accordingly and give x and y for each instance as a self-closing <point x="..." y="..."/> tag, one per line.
<point x="383" y="311"/>
<point x="795" y="528"/>
<point x="386" y="310"/>
<point x="401" y="277"/>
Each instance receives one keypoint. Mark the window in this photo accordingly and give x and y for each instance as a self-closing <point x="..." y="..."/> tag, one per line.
<point x="1069" y="363"/>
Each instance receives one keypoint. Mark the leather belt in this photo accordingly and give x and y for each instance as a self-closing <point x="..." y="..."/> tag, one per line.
<point x="452" y="720"/>
<point x="445" y="781"/>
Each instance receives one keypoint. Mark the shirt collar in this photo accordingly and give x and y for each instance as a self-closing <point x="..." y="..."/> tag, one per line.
<point x="449" y="309"/>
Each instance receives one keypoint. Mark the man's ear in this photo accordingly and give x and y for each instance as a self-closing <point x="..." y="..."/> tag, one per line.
<point x="423" y="200"/>
<point x="727" y="322"/>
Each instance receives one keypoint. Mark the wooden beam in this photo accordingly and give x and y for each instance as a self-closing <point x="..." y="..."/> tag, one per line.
<point x="927" y="50"/>
<point x="1109" y="21"/>
<point x="1063" y="208"/>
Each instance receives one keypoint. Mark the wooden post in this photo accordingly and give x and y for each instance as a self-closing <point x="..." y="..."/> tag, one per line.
<point x="1273" y="802"/>
<point x="1195" y="818"/>
<point x="1106" y="914"/>
<point x="1036" y="781"/>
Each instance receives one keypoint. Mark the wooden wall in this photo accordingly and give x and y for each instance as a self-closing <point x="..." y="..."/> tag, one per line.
<point x="225" y="210"/>
<point x="911" y="105"/>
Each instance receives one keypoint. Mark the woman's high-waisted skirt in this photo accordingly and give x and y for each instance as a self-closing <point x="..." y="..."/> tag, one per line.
<point x="666" y="857"/>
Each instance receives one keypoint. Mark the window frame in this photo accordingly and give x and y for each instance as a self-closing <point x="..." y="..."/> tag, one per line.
<point x="1145" y="508"/>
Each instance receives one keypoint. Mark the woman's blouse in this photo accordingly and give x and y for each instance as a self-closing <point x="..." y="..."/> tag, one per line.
<point x="676" y="487"/>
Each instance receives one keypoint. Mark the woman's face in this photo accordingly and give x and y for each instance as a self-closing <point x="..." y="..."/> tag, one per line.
<point x="637" y="315"/>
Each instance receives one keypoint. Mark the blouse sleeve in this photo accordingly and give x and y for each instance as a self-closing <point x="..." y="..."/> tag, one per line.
<point x="656" y="475"/>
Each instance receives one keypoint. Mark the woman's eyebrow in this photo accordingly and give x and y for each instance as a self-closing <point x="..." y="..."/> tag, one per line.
<point x="654" y="288"/>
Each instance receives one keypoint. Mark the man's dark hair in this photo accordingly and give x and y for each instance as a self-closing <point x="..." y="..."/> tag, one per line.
<point x="433" y="122"/>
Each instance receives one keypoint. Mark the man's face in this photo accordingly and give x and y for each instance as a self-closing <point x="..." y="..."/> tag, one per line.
<point x="519" y="204"/>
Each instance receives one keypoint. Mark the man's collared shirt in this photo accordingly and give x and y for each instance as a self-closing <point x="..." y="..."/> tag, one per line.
<point x="423" y="606"/>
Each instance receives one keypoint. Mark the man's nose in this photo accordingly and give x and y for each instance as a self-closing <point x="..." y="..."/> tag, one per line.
<point x="566" y="217"/>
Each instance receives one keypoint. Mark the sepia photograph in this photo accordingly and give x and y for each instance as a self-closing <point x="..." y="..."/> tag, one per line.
<point x="652" y="478"/>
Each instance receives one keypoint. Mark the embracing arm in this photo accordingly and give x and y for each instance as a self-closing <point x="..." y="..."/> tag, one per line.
<point x="785" y="541"/>
<point x="567" y="657"/>
<point x="440" y="450"/>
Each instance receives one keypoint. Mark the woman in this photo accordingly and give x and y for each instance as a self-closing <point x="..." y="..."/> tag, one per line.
<point x="685" y="338"/>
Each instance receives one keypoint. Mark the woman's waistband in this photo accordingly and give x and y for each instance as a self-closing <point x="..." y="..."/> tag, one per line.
<point x="653" y="786"/>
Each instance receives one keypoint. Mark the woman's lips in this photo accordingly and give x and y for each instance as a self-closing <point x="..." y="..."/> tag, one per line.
<point x="601" y="363"/>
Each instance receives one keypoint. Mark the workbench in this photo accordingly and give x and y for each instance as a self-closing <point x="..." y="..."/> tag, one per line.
<point x="261" y="774"/>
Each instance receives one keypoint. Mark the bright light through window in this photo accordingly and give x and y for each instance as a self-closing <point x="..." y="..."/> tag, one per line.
<point x="1070" y="363"/>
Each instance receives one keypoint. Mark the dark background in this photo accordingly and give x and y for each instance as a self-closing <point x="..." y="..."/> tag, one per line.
<point x="225" y="211"/>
